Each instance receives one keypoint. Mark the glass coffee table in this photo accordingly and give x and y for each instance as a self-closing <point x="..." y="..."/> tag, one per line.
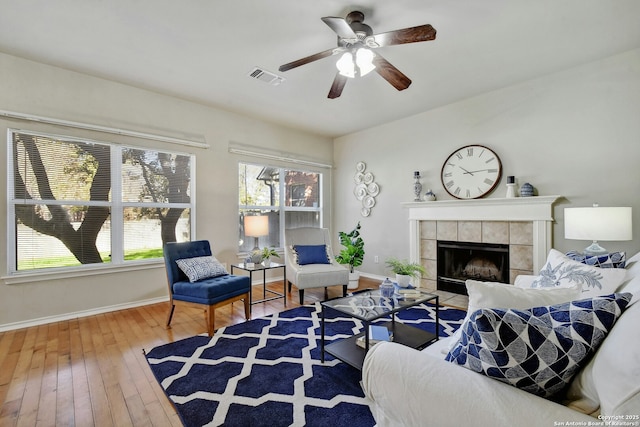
<point x="368" y="306"/>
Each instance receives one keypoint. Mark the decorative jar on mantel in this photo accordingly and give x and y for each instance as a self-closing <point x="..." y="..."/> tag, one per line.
<point x="417" y="186"/>
<point x="526" y="190"/>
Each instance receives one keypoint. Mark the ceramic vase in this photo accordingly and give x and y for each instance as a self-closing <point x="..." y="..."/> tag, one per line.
<point x="354" y="278"/>
<point x="417" y="186"/>
<point x="526" y="190"/>
<point x="403" y="280"/>
<point x="386" y="288"/>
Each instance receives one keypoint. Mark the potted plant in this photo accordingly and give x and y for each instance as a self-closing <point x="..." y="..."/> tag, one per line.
<point x="266" y="253"/>
<point x="352" y="254"/>
<point x="405" y="270"/>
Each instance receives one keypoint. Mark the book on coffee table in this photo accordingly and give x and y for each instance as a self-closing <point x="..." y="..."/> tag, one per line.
<point x="376" y="334"/>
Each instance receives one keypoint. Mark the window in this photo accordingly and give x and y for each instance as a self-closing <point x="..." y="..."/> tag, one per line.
<point x="77" y="202"/>
<point x="298" y="192"/>
<point x="288" y="198"/>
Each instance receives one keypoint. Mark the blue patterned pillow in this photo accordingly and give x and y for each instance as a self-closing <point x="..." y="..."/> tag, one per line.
<point x="202" y="267"/>
<point x="311" y="254"/>
<point x="538" y="350"/>
<point x="610" y="260"/>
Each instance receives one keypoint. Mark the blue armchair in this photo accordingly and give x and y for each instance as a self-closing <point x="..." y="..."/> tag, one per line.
<point x="207" y="292"/>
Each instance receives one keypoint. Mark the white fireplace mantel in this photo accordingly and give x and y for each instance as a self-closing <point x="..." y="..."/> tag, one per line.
<point x="538" y="210"/>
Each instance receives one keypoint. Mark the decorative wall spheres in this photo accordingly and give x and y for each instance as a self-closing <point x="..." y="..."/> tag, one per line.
<point x="365" y="189"/>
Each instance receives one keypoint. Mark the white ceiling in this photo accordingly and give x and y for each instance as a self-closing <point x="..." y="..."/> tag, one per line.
<point x="203" y="50"/>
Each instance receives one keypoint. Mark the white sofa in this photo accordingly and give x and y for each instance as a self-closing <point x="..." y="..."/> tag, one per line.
<point x="415" y="388"/>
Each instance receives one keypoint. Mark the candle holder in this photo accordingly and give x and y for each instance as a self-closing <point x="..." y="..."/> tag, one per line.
<point x="417" y="186"/>
<point x="511" y="186"/>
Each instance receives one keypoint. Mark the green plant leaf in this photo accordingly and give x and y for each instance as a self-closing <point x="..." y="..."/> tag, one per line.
<point x="353" y="252"/>
<point x="406" y="268"/>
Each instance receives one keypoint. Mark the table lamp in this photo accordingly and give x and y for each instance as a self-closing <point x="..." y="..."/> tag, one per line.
<point x="598" y="223"/>
<point x="256" y="226"/>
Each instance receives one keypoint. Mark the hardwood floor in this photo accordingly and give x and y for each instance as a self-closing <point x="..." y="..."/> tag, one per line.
<point x="92" y="371"/>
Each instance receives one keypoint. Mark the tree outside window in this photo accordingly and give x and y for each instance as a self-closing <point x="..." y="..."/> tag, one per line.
<point x="67" y="211"/>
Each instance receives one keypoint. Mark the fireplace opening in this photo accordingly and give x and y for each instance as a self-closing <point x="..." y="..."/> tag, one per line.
<point x="460" y="261"/>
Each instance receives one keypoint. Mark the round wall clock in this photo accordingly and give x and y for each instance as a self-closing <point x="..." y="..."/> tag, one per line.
<point x="471" y="172"/>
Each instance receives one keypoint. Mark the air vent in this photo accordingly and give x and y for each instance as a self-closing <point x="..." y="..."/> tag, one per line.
<point x="266" y="76"/>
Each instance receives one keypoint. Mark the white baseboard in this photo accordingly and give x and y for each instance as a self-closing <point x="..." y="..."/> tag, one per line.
<point x="98" y="310"/>
<point x="78" y="314"/>
<point x="374" y="276"/>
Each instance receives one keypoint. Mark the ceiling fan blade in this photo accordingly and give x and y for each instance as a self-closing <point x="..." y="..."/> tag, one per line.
<point x="310" y="58"/>
<point x="420" y="33"/>
<point x="337" y="86"/>
<point x="341" y="28"/>
<point x="390" y="73"/>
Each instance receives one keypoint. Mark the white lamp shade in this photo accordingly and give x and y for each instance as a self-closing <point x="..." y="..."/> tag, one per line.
<point x="256" y="226"/>
<point x="598" y="223"/>
<point x="345" y="65"/>
<point x="364" y="59"/>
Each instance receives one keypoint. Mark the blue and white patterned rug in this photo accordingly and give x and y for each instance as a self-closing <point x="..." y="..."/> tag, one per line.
<point x="267" y="371"/>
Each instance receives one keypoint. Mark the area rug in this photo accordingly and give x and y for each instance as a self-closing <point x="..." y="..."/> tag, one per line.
<point x="267" y="371"/>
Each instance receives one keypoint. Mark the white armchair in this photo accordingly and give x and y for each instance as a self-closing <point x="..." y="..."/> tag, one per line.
<point x="312" y="275"/>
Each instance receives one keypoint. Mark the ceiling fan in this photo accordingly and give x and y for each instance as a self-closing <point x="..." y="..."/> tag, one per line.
<point x="355" y="42"/>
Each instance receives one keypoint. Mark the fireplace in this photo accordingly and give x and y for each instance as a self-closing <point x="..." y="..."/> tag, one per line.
<point x="522" y="223"/>
<point x="459" y="261"/>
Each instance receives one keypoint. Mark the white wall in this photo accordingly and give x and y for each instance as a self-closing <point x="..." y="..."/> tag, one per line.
<point x="575" y="133"/>
<point x="38" y="89"/>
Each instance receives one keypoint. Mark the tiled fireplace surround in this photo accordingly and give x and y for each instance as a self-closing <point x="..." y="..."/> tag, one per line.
<point x="525" y="224"/>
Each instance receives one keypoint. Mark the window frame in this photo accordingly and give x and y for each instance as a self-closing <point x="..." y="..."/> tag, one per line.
<point x="281" y="208"/>
<point x="116" y="216"/>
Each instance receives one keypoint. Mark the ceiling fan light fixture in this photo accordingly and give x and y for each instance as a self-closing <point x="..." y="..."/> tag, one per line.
<point x="346" y="66"/>
<point x="364" y="60"/>
<point x="355" y="41"/>
<point x="362" y="65"/>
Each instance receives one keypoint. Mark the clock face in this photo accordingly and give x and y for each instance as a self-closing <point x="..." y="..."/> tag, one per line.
<point x="471" y="172"/>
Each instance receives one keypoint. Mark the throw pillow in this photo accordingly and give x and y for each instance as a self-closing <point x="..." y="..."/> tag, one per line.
<point x="561" y="271"/>
<point x="202" y="267"/>
<point x="610" y="260"/>
<point x="501" y="295"/>
<point x="311" y="254"/>
<point x="632" y="284"/>
<point x="525" y="281"/>
<point x="608" y="384"/>
<point x="538" y="350"/>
